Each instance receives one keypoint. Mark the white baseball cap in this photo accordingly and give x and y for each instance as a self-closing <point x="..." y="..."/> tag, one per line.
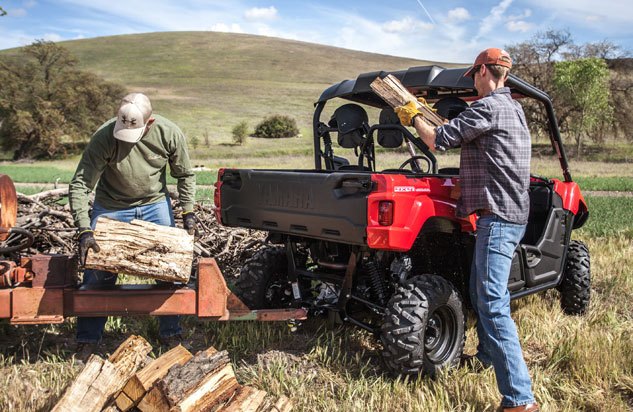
<point x="134" y="113"/>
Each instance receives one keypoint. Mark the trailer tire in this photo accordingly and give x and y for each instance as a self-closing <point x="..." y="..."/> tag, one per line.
<point x="263" y="281"/>
<point x="424" y="327"/>
<point x="575" y="286"/>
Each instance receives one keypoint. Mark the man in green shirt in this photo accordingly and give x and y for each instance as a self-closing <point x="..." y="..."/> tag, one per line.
<point x="126" y="159"/>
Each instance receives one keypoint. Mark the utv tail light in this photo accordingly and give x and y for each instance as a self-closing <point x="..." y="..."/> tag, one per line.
<point x="385" y="213"/>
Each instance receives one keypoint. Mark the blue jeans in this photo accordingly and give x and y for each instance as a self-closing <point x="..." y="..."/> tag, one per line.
<point x="499" y="344"/>
<point x="90" y="330"/>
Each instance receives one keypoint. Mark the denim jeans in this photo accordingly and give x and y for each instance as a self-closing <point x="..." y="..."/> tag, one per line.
<point x="90" y="330"/>
<point x="499" y="344"/>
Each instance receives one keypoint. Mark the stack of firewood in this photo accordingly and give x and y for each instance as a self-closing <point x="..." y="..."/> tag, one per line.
<point x="176" y="381"/>
<point x="52" y="225"/>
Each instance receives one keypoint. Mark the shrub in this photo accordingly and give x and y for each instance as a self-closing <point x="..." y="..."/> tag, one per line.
<point x="240" y="132"/>
<point x="277" y="126"/>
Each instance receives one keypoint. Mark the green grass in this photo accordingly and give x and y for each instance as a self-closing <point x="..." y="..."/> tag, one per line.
<point x="620" y="184"/>
<point x="609" y="216"/>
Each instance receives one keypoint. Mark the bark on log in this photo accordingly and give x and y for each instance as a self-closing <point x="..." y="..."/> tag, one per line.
<point x="142" y="249"/>
<point x="205" y="380"/>
<point x="100" y="379"/>
<point x="141" y="382"/>
<point x="392" y="91"/>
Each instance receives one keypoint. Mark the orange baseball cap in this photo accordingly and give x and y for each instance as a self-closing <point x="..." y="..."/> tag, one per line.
<point x="492" y="55"/>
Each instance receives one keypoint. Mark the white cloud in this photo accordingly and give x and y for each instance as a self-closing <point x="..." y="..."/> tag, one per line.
<point x="52" y="37"/>
<point x="458" y="15"/>
<point x="493" y="19"/>
<point x="405" y="25"/>
<point x="227" y="28"/>
<point x="593" y="18"/>
<point x="526" y="13"/>
<point x="519" y="25"/>
<point x="261" y="13"/>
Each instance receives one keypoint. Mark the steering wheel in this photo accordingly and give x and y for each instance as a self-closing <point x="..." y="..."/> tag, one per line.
<point x="413" y="164"/>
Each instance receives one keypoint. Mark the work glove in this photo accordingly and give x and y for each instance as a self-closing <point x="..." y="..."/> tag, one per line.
<point x="406" y="113"/>
<point x="86" y="241"/>
<point x="189" y="222"/>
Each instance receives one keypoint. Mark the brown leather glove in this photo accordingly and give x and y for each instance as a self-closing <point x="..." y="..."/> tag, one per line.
<point x="189" y="222"/>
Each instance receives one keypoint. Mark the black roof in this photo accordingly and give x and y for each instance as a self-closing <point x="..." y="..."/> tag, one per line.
<point x="430" y="81"/>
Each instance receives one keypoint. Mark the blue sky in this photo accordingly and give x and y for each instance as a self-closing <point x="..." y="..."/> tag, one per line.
<point x="448" y="30"/>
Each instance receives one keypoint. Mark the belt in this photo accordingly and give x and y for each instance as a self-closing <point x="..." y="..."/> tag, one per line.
<point x="484" y="212"/>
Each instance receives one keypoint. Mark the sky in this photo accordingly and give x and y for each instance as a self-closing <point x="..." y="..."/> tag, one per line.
<point x="446" y="31"/>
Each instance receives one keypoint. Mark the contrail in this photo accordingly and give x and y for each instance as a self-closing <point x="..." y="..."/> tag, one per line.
<point x="427" y="13"/>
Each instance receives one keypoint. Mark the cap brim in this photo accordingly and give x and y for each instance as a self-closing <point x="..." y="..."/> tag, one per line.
<point x="469" y="72"/>
<point x="126" y="134"/>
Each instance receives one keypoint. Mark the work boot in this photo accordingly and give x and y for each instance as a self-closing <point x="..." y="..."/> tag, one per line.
<point x="83" y="350"/>
<point x="530" y="407"/>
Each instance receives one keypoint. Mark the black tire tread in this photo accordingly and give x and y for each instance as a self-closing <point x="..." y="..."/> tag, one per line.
<point x="256" y="273"/>
<point x="575" y="287"/>
<point x="402" y="332"/>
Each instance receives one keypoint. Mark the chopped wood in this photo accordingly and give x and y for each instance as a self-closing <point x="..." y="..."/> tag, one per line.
<point x="247" y="399"/>
<point x="392" y="91"/>
<point x="143" y="249"/>
<point x="212" y="389"/>
<point x="154" y="401"/>
<point x="102" y="378"/>
<point x="141" y="382"/>
<point x="283" y="404"/>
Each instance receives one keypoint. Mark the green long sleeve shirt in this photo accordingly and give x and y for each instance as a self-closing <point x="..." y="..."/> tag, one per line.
<point x="131" y="174"/>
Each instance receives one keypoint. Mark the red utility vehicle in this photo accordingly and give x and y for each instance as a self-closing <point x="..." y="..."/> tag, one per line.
<point x="382" y="249"/>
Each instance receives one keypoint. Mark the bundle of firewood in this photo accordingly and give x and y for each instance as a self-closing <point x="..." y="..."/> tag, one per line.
<point x="392" y="91"/>
<point x="51" y="223"/>
<point x="175" y="381"/>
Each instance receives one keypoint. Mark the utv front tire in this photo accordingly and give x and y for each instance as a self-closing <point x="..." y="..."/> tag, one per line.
<point x="263" y="281"/>
<point x="423" y="328"/>
<point x="575" y="287"/>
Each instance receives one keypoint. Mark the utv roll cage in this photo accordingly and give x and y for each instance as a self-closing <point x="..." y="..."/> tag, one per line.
<point x="435" y="84"/>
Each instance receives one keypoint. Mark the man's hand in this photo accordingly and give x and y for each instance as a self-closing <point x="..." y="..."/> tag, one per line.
<point x="86" y="241"/>
<point x="189" y="222"/>
<point x="407" y="113"/>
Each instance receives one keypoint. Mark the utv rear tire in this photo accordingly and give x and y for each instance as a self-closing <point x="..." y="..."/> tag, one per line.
<point x="423" y="329"/>
<point x="575" y="287"/>
<point x="263" y="281"/>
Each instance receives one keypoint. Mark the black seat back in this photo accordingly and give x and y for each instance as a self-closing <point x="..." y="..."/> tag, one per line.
<point x="351" y="122"/>
<point x="390" y="138"/>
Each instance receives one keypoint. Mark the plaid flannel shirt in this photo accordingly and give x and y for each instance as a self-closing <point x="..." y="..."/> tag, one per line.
<point x="495" y="156"/>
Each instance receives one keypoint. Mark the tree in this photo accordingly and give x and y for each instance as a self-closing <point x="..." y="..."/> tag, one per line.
<point x="240" y="132"/>
<point x="584" y="84"/>
<point x="47" y="105"/>
<point x="534" y="61"/>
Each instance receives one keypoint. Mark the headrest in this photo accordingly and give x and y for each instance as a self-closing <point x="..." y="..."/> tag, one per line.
<point x="389" y="138"/>
<point x="349" y="120"/>
<point x="450" y="107"/>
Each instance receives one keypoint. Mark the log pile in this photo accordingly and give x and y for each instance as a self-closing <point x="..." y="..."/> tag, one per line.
<point x="177" y="381"/>
<point x="49" y="219"/>
<point x="392" y="91"/>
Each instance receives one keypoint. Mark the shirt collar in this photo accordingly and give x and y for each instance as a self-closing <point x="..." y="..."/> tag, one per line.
<point x="500" y="90"/>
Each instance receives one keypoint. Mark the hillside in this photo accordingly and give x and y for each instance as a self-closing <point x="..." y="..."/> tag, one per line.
<point x="210" y="81"/>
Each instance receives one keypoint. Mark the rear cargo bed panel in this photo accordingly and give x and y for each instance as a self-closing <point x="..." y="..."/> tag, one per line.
<point x="316" y="204"/>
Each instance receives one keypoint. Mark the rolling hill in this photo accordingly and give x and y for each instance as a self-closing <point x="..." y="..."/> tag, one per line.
<point x="209" y="81"/>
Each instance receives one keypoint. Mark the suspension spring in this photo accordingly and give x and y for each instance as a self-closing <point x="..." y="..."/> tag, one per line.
<point x="376" y="281"/>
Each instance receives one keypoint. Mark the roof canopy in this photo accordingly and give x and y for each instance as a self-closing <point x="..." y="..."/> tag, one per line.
<point x="431" y="82"/>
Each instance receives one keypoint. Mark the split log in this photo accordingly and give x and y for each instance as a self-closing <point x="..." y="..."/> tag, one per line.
<point x="199" y="384"/>
<point x="283" y="404"/>
<point x="247" y="399"/>
<point x="143" y="249"/>
<point x="141" y="382"/>
<point x="392" y="91"/>
<point x="100" y="379"/>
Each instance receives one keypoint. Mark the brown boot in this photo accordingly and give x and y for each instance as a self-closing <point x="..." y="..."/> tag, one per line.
<point x="530" y="407"/>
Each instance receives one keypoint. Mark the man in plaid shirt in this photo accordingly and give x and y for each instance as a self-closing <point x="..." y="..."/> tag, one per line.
<point x="494" y="179"/>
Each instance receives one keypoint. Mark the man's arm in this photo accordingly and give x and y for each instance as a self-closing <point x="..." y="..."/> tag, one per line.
<point x="180" y="169"/>
<point x="91" y="166"/>
<point x="425" y="131"/>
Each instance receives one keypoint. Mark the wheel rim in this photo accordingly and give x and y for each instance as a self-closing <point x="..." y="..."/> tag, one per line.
<point x="440" y="335"/>
<point x="278" y="294"/>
